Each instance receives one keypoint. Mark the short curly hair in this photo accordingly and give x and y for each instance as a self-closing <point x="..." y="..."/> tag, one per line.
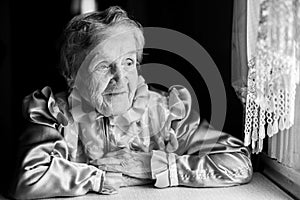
<point x="85" y="31"/>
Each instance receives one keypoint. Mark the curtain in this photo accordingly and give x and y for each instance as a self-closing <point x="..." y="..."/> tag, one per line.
<point x="239" y="69"/>
<point x="267" y="79"/>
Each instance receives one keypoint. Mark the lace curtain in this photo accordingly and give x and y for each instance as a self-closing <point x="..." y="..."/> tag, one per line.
<point x="268" y="83"/>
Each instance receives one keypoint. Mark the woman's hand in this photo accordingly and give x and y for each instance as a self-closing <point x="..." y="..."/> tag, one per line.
<point x="130" y="163"/>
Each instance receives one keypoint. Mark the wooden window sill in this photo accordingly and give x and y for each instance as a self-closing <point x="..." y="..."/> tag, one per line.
<point x="286" y="178"/>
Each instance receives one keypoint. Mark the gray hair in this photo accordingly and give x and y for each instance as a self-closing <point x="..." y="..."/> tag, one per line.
<point x="85" y="31"/>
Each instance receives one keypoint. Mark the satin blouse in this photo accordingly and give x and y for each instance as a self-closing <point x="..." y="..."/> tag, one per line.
<point x="56" y="148"/>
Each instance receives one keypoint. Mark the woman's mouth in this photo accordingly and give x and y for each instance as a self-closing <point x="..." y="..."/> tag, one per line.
<point x="113" y="93"/>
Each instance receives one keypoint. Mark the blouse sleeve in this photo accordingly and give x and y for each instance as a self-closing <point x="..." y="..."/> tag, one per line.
<point x="204" y="158"/>
<point x="44" y="169"/>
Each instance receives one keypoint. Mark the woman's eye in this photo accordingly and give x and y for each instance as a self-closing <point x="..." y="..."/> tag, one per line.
<point x="102" y="67"/>
<point x="129" y="62"/>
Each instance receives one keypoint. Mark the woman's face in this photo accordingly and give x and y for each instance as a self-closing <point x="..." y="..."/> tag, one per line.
<point x="108" y="76"/>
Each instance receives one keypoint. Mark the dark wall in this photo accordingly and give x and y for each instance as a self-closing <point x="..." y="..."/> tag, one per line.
<point x="30" y="46"/>
<point x="6" y="134"/>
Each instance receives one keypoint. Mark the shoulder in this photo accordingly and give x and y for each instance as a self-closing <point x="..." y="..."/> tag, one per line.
<point x="175" y="101"/>
<point x="43" y="107"/>
<point x="175" y="94"/>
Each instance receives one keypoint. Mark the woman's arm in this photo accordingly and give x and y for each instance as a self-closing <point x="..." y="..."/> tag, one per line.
<point x="44" y="170"/>
<point x="214" y="159"/>
<point x="43" y="167"/>
<point x="204" y="158"/>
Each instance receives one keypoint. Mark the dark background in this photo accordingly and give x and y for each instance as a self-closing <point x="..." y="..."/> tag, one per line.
<point x="29" y="54"/>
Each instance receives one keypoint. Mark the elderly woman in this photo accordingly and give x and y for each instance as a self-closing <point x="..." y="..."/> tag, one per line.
<point x="110" y="130"/>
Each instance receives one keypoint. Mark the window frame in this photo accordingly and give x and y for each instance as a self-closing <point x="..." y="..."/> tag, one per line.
<point x="288" y="179"/>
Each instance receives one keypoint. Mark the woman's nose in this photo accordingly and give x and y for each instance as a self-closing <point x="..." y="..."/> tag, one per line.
<point x="117" y="72"/>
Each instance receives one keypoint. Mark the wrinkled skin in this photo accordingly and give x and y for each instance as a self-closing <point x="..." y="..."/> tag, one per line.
<point x="128" y="162"/>
<point x="108" y="76"/>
